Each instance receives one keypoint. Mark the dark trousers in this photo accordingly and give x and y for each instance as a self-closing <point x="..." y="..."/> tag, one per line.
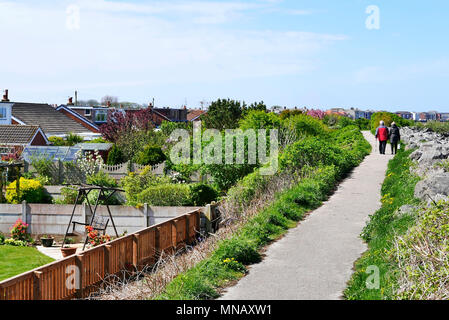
<point x="382" y="146"/>
<point x="394" y="147"/>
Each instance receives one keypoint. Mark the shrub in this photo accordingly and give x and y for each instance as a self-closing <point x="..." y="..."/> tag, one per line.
<point x="115" y="156"/>
<point x="30" y="190"/>
<point x="135" y="183"/>
<point x="305" y="126"/>
<point x="2" y="239"/>
<point x="166" y="195"/>
<point x="256" y="119"/>
<point x="43" y="166"/>
<point x="151" y="155"/>
<point x="202" y="194"/>
<point x="19" y="231"/>
<point x="68" y="196"/>
<point x="57" y="141"/>
<point x="16" y="243"/>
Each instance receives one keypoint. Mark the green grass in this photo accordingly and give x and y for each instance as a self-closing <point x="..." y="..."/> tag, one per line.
<point x="16" y="260"/>
<point x="397" y="190"/>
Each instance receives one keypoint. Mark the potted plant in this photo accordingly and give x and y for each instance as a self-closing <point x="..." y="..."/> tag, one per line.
<point x="66" y="250"/>
<point x="47" y="241"/>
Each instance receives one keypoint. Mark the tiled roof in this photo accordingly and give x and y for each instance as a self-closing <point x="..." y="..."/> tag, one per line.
<point x="48" y="118"/>
<point x="193" y="114"/>
<point x="17" y="134"/>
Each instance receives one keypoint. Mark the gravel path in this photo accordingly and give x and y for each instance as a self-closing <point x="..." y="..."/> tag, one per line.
<point x="314" y="261"/>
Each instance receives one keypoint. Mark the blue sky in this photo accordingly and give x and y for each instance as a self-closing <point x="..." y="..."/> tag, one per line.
<point x="289" y="53"/>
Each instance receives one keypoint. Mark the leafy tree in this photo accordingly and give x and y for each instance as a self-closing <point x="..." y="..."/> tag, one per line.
<point x="258" y="119"/>
<point x="223" y="114"/>
<point x="289" y="113"/>
<point x="258" y="106"/>
<point x="151" y="155"/>
<point x="115" y="156"/>
<point x="120" y="124"/>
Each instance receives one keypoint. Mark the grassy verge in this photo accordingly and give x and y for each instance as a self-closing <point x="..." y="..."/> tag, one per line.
<point x="228" y="262"/>
<point x="16" y="260"/>
<point x="384" y="225"/>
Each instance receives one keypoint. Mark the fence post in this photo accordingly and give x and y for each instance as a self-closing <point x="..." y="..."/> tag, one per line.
<point x="60" y="171"/>
<point x="107" y="249"/>
<point x="187" y="234"/>
<point x="146" y="213"/>
<point x="136" y="250"/>
<point x="37" y="285"/>
<point x="79" y="264"/>
<point x="26" y="215"/>
<point x="207" y="218"/>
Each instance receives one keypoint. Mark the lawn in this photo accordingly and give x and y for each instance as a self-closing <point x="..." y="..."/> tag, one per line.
<point x="16" y="260"/>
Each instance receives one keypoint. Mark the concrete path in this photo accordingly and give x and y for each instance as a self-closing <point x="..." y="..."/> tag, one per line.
<point x="55" y="251"/>
<point x="314" y="261"/>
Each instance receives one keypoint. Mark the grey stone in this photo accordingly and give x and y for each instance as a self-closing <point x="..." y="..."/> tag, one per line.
<point x="437" y="184"/>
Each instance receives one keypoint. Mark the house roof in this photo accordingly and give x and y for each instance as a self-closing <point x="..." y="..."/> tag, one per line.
<point x="17" y="134"/>
<point x="94" y="146"/>
<point x="48" y="118"/>
<point x="193" y="115"/>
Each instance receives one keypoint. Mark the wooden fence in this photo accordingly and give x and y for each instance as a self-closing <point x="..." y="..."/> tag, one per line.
<point x="82" y="274"/>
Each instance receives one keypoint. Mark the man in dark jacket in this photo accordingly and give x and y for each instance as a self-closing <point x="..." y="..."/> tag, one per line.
<point x="395" y="138"/>
<point x="382" y="135"/>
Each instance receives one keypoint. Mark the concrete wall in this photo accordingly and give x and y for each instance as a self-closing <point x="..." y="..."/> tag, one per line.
<point x="53" y="219"/>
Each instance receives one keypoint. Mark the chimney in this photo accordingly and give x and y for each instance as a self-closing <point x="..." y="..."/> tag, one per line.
<point x="5" y="96"/>
<point x="70" y="102"/>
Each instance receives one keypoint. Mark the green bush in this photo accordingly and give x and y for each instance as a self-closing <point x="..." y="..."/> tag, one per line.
<point x="202" y="194"/>
<point x="2" y="238"/>
<point x="305" y="126"/>
<point x="68" y="196"/>
<point x="30" y="190"/>
<point x="166" y="195"/>
<point x="135" y="183"/>
<point x="115" y="156"/>
<point x="388" y="118"/>
<point x="151" y="155"/>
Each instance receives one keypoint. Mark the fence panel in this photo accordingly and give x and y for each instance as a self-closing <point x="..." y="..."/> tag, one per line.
<point x="93" y="270"/>
<point x="120" y="254"/>
<point x="18" y="288"/>
<point x="146" y="248"/>
<point x="80" y="275"/>
<point x="58" y="280"/>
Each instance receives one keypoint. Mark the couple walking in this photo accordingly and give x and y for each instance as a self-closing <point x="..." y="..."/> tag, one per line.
<point x="383" y="134"/>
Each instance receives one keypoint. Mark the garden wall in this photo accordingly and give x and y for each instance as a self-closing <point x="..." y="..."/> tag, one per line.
<point x="53" y="219"/>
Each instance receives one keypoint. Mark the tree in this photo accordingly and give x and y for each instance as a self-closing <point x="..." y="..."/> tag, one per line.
<point x="123" y="123"/>
<point x="112" y="99"/>
<point x="223" y="114"/>
<point x="259" y="106"/>
<point x="115" y="156"/>
<point x="151" y="155"/>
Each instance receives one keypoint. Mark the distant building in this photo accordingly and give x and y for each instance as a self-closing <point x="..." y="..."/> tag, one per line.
<point x="445" y="116"/>
<point x="405" y="115"/>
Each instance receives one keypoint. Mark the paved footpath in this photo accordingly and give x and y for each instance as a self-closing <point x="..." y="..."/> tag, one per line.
<point x="314" y="261"/>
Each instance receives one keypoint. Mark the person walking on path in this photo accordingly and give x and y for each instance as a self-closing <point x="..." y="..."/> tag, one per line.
<point x="395" y="138"/>
<point x="382" y="134"/>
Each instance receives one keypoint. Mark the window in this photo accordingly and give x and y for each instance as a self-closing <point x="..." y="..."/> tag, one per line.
<point x="88" y="112"/>
<point x="101" y="116"/>
<point x="3" y="113"/>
